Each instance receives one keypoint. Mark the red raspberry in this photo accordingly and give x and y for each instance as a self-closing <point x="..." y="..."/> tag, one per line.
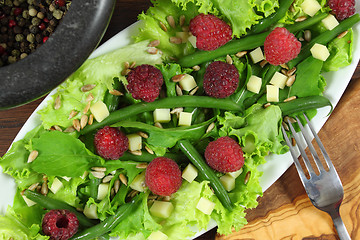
<point x="111" y="143"/>
<point x="163" y="176"/>
<point x="145" y="82"/>
<point x="211" y="32"/>
<point x="60" y="224"/>
<point x="220" y="79"/>
<point x="342" y="8"/>
<point x="281" y="46"/>
<point x="224" y="155"/>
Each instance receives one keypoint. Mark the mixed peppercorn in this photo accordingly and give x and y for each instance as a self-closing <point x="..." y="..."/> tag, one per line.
<point x="26" y="24"/>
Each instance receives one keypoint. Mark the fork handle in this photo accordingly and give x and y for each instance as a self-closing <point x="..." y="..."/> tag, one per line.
<point x="340" y="227"/>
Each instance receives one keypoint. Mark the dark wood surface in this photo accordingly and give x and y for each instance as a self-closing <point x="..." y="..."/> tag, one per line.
<point x="284" y="212"/>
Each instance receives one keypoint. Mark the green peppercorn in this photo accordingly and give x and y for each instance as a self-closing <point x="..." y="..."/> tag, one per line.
<point x="19" y="37"/>
<point x="11" y="59"/>
<point x="23" y="55"/>
<point x="35" y="21"/>
<point x="15" y="53"/>
<point x="25" y="14"/>
<point x="58" y="14"/>
<point x="32" y="11"/>
<point x="30" y="38"/>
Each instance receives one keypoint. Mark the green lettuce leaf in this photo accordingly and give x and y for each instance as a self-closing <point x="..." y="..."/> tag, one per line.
<point x="99" y="71"/>
<point x="340" y="52"/>
<point x="62" y="155"/>
<point x="14" y="162"/>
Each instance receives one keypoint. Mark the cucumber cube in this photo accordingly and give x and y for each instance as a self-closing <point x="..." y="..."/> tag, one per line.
<point x="205" y="205"/>
<point x="135" y="142"/>
<point x="279" y="80"/>
<point x="187" y="82"/>
<point x="256" y="55"/>
<point x="320" y="52"/>
<point x="254" y="84"/>
<point x="99" y="110"/>
<point x="310" y="7"/>
<point x="91" y="211"/>
<point x="138" y="183"/>
<point x="189" y="173"/>
<point x="28" y="201"/>
<point x="56" y="185"/>
<point x="192" y="40"/>
<point x="228" y="182"/>
<point x="162" y="115"/>
<point x="330" y="22"/>
<point x="157" y="236"/>
<point x="103" y="190"/>
<point x="235" y="174"/>
<point x="272" y="93"/>
<point x="161" y="209"/>
<point x="185" y="119"/>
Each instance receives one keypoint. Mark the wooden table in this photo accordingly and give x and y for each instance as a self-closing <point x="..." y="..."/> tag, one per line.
<point x="284" y="212"/>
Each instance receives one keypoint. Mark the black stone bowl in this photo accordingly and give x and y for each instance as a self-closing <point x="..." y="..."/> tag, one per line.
<point x="77" y="35"/>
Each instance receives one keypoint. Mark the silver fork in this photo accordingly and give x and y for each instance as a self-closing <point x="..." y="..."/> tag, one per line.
<point x="324" y="190"/>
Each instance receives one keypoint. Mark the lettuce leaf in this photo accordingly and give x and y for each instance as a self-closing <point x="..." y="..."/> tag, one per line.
<point x="14" y="162"/>
<point x="99" y="71"/>
<point x="62" y="155"/>
<point x="340" y="52"/>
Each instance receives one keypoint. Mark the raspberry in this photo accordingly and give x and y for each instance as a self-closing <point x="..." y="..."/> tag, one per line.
<point x="220" y="79"/>
<point x="60" y="224"/>
<point x="281" y="46"/>
<point x="163" y="176"/>
<point x="210" y="31"/>
<point x="145" y="82"/>
<point x="224" y="155"/>
<point x="110" y="143"/>
<point x="342" y="8"/>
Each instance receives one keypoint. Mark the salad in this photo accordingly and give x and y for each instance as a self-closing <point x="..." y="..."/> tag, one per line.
<point x="163" y="178"/>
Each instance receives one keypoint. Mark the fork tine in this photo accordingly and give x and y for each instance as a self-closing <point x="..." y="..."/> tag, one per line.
<point x="296" y="160"/>
<point x="321" y="146"/>
<point x="310" y="145"/>
<point x="302" y="151"/>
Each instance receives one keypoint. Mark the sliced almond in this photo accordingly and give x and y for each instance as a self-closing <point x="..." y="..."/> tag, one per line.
<point x="175" y="40"/>
<point x="76" y="124"/>
<point x="57" y="128"/>
<point x="149" y="150"/>
<point x="193" y="91"/>
<point x="69" y="129"/>
<point x="123" y="179"/>
<point x="178" y="78"/>
<point x="142" y="165"/>
<point x="89" y="97"/>
<point x="290" y="81"/>
<point x="143" y="135"/>
<point x="241" y="54"/>
<point x="83" y="121"/>
<point x="115" y="92"/>
<point x="178" y="90"/>
<point x="170" y="19"/>
<point x="91" y="119"/>
<point x="99" y="169"/>
<point x="107" y="178"/>
<point x="154" y="43"/>
<point x="343" y="34"/>
<point x="210" y="127"/>
<point x="87" y="107"/>
<point x="196" y="68"/>
<point x="117" y="185"/>
<point x="152" y="50"/>
<point x="290" y="99"/>
<point x="182" y="20"/>
<point x="87" y="87"/>
<point x="99" y="175"/>
<point x="72" y="114"/>
<point x="301" y="19"/>
<point x="163" y="27"/>
<point x="136" y="153"/>
<point x="32" y="156"/>
<point x="57" y="103"/>
<point x="229" y="59"/>
<point x="291" y="72"/>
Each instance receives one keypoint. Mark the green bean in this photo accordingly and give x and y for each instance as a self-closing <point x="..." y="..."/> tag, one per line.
<point x="50" y="203"/>
<point x="265" y="23"/>
<point x="324" y="38"/>
<point x="232" y="47"/>
<point x="171" y="102"/>
<point x="109" y="223"/>
<point x="307" y="23"/>
<point x="111" y="100"/>
<point x="206" y="173"/>
<point x="147" y="157"/>
<point x="303" y="104"/>
<point x="242" y="44"/>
